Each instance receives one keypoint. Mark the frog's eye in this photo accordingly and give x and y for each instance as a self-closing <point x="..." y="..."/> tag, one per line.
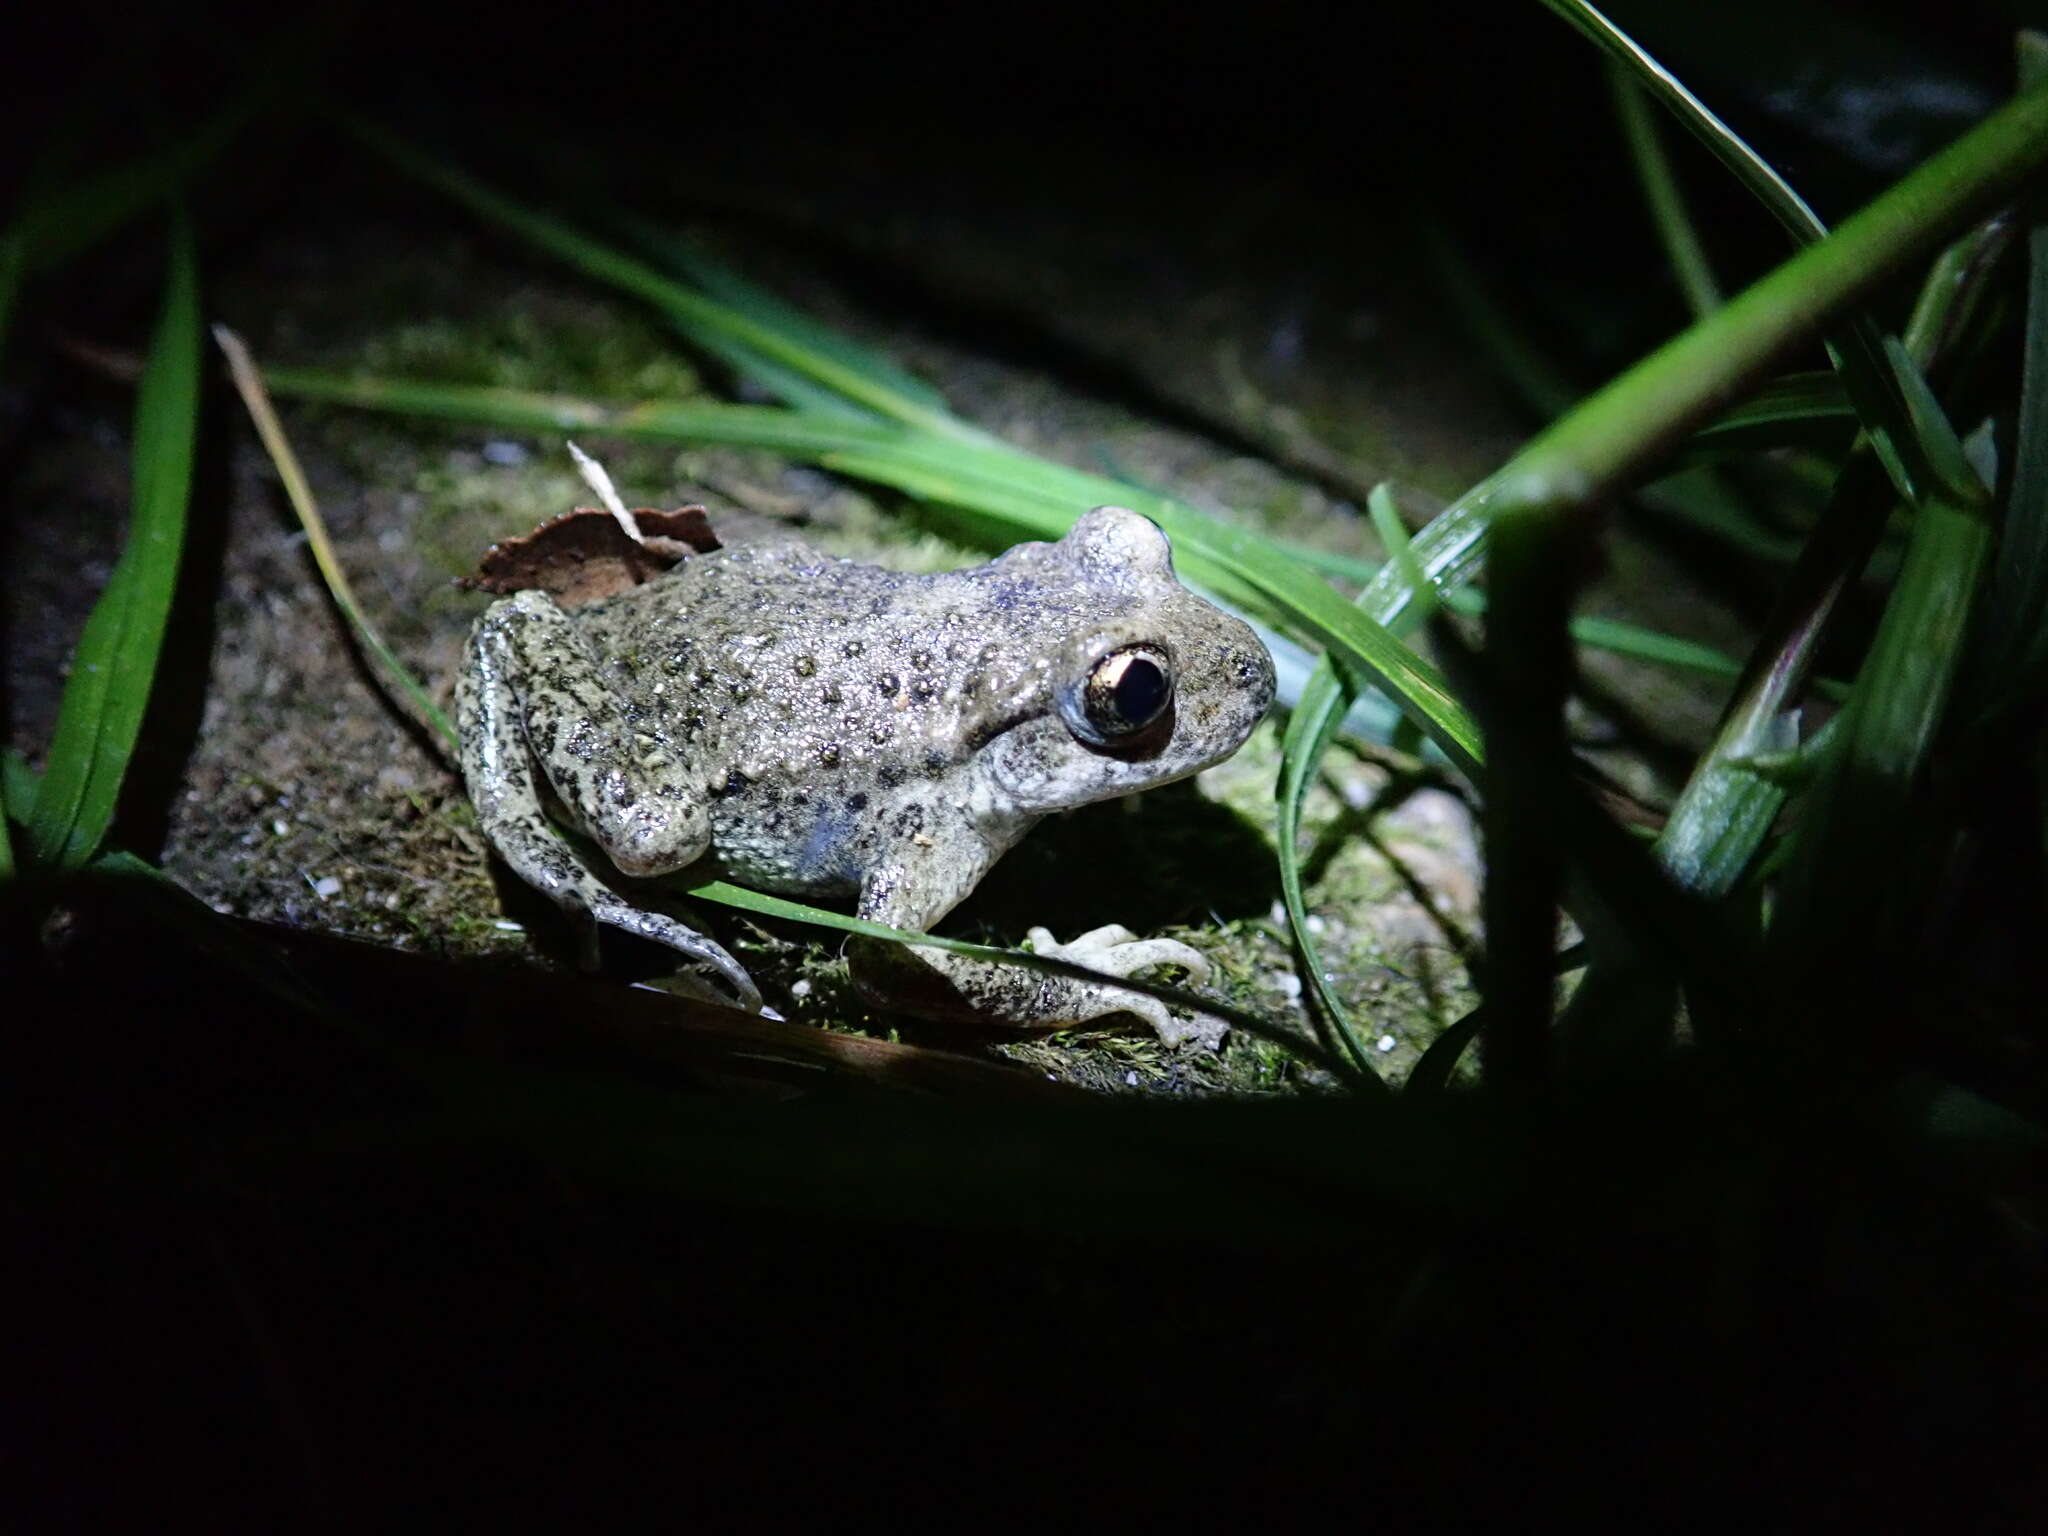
<point x="1127" y="690"/>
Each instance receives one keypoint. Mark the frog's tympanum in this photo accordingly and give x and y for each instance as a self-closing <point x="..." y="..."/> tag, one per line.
<point x="818" y="727"/>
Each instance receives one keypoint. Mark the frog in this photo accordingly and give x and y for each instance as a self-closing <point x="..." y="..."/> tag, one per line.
<point x="818" y="727"/>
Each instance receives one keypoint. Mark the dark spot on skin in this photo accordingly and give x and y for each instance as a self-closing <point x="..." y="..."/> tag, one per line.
<point x="890" y="776"/>
<point x="740" y="692"/>
<point x="805" y="666"/>
<point x="935" y="762"/>
<point x="828" y="755"/>
<point x="921" y="659"/>
<point x="832" y="694"/>
<point x="923" y="691"/>
<point x="857" y="802"/>
<point x="880" y="734"/>
<point x="910" y="820"/>
<point x="852" y="648"/>
<point x="887" y="684"/>
<point x="735" y="784"/>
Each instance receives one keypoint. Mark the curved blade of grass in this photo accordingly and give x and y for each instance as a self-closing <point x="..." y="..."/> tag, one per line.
<point x="1635" y="422"/>
<point x="1954" y="289"/>
<point x="249" y="385"/>
<point x="1675" y="229"/>
<point x="1634" y="63"/>
<point x="684" y="304"/>
<point x="795" y="911"/>
<point x="1728" y="805"/>
<point x="1314" y="723"/>
<point x="2016" y="621"/>
<point x="1856" y="346"/>
<point x="1797" y="409"/>
<point x="1894" y="710"/>
<point x="752" y="426"/>
<point x="1431" y="1074"/>
<point x="115" y="663"/>
<point x="690" y="259"/>
<point x="1310" y="730"/>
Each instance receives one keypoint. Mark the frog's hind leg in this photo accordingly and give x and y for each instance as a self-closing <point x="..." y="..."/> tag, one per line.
<point x="529" y="682"/>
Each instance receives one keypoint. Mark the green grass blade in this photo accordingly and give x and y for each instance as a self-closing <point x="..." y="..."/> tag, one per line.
<point x="1750" y="168"/>
<point x="748" y="426"/>
<point x="684" y="304"/>
<point x="691" y="260"/>
<point x="1858" y="806"/>
<point x="115" y="664"/>
<point x="1634" y="422"/>
<point x="764" y="905"/>
<point x="2016" y="623"/>
<point x="1955" y="287"/>
<point x="1869" y="372"/>
<point x="1729" y="804"/>
<point x="1311" y="728"/>
<point x="249" y="384"/>
<point x="1681" y="240"/>
<point x="1796" y="410"/>
<point x="757" y="368"/>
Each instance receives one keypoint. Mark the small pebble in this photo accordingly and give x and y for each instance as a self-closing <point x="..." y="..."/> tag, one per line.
<point x="1386" y="1043"/>
<point x="280" y="827"/>
<point x="800" y="988"/>
<point x="326" y="886"/>
<point x="506" y="925"/>
<point x="1130" y="1079"/>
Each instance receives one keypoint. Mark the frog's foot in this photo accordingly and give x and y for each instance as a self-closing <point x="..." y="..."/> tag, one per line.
<point x="708" y="958"/>
<point x="1117" y="951"/>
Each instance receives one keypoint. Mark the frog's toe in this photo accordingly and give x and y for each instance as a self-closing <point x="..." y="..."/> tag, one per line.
<point x="709" y="958"/>
<point x="1204" y="1029"/>
<point x="1114" y="949"/>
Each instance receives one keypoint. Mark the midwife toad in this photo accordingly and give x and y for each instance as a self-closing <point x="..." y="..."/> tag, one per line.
<point x="818" y="727"/>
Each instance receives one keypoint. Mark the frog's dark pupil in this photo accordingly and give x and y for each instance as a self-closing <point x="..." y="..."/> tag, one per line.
<point x="1141" y="691"/>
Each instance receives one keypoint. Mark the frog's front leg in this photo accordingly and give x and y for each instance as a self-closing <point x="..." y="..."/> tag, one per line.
<point x="533" y="704"/>
<point x="913" y="894"/>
